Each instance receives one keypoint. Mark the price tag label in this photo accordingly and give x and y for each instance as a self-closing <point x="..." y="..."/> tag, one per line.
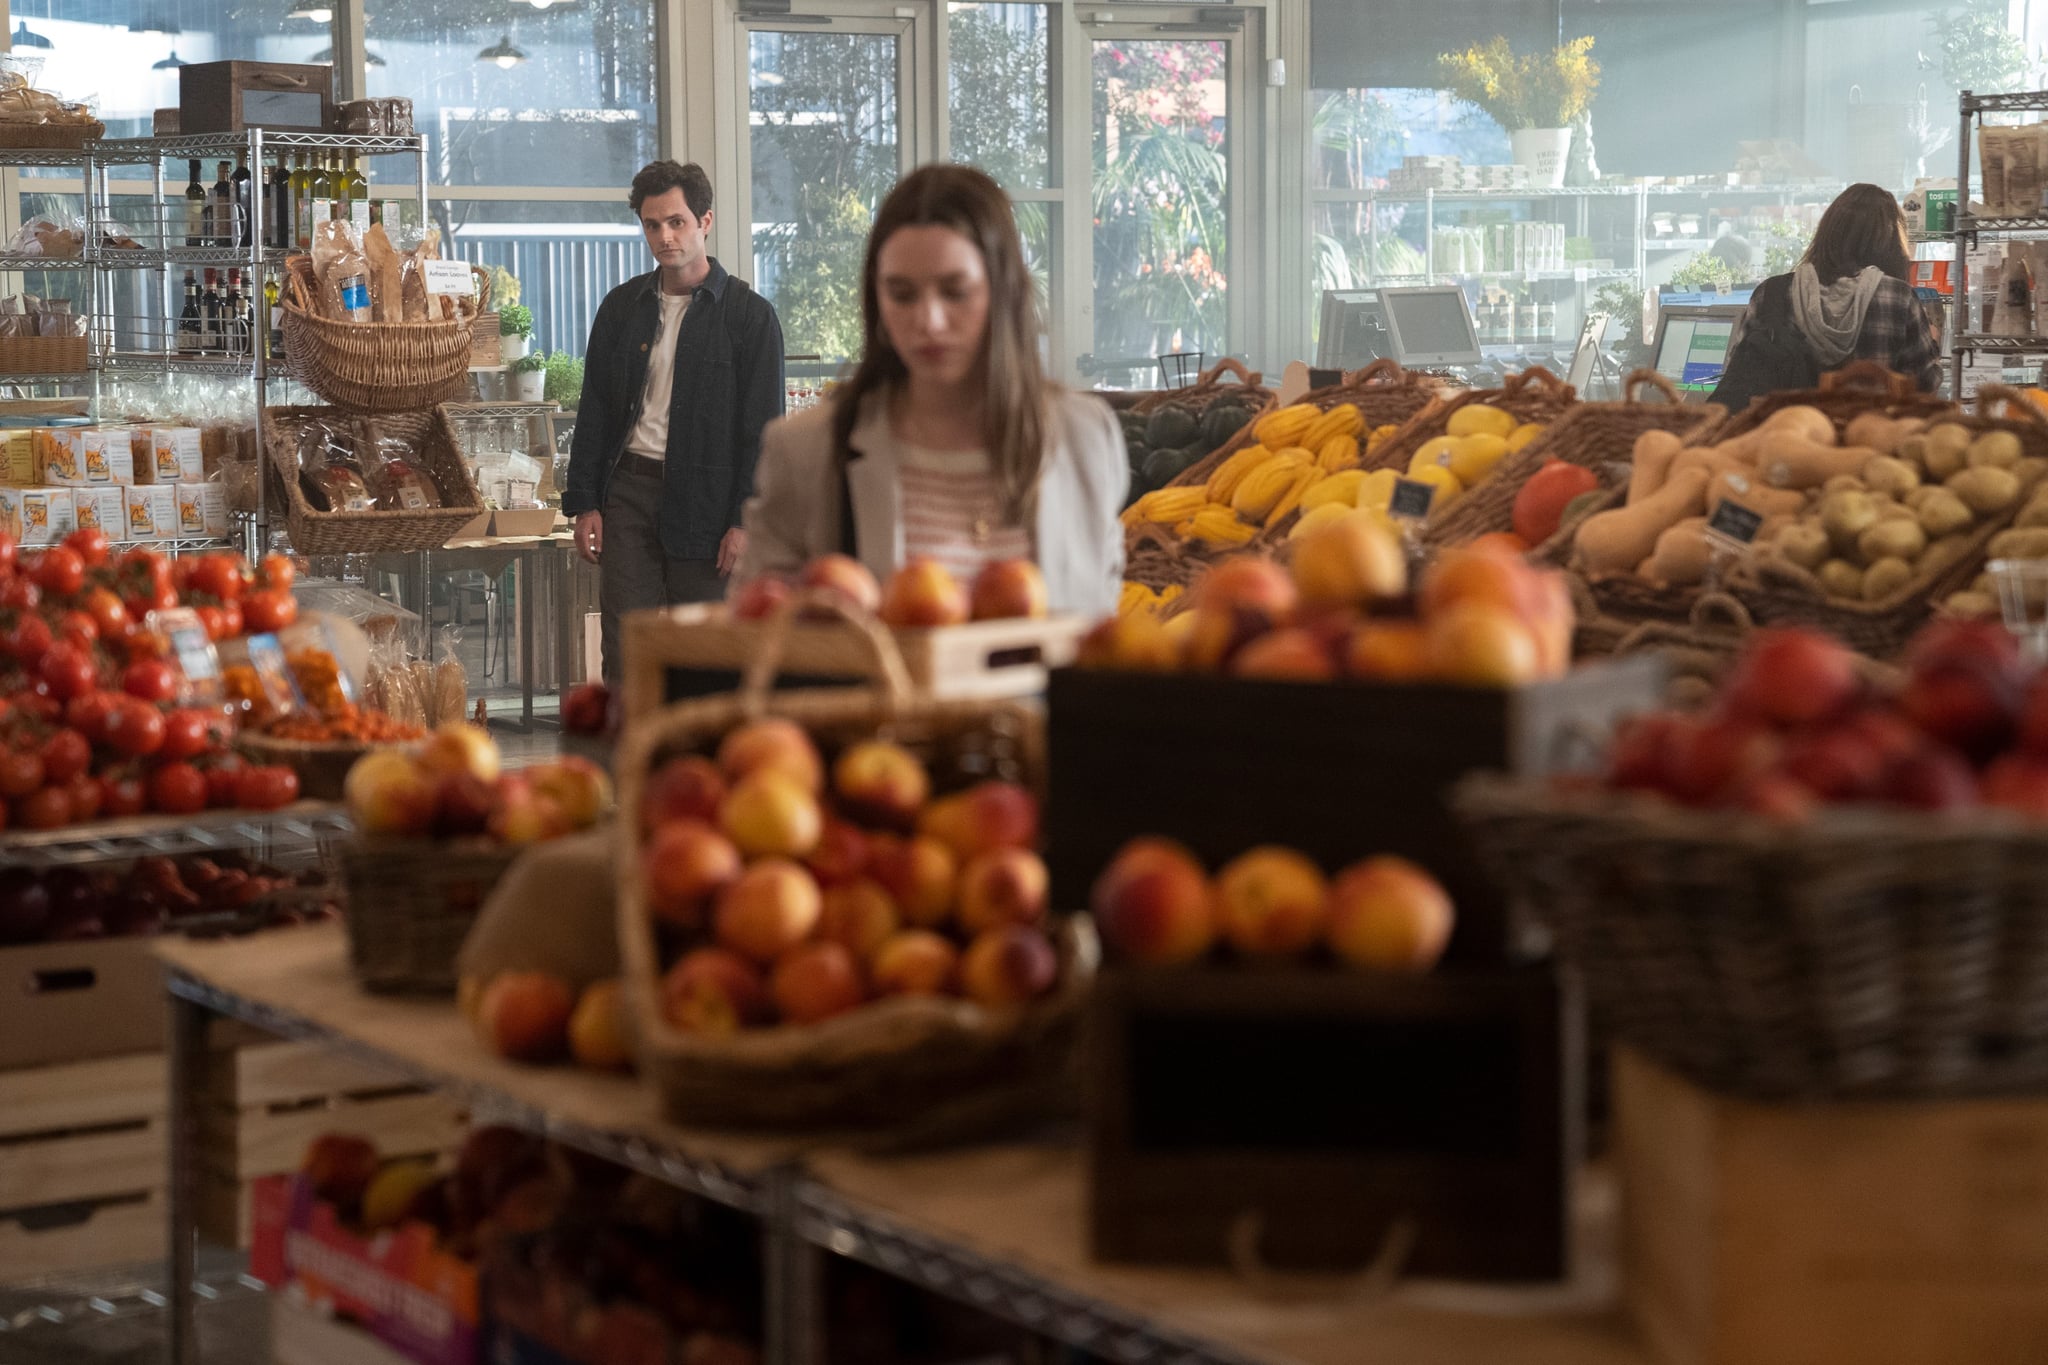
<point x="448" y="277"/>
<point x="1411" y="499"/>
<point x="1734" y="525"/>
<point x="197" y="660"/>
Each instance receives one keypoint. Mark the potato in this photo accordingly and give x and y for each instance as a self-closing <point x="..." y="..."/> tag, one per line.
<point x="1942" y="513"/>
<point x="1972" y="605"/>
<point x="1946" y="448"/>
<point x="1805" y="544"/>
<point x="1918" y="497"/>
<point x="1884" y="578"/>
<point x="1840" y="578"/>
<point x="1891" y="539"/>
<point x="2035" y="513"/>
<point x="2030" y="469"/>
<point x="1844" y="483"/>
<point x="1998" y="449"/>
<point x="1985" y="489"/>
<point x="1888" y="475"/>
<point x="1887" y="510"/>
<point x="1982" y="583"/>
<point x="2028" y="543"/>
<point x="1942" y="555"/>
<point x="1847" y="515"/>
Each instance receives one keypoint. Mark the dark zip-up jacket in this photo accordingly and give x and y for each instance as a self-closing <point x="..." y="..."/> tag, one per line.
<point x="728" y="386"/>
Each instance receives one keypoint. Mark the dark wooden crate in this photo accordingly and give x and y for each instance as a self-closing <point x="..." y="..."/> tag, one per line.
<point x="1338" y="770"/>
<point x="1333" y="1106"/>
<point x="228" y="97"/>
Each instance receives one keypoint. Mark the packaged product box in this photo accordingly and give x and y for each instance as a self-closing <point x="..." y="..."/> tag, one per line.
<point x="110" y="461"/>
<point x="174" y="457"/>
<point x="61" y="455"/>
<point x="202" y="509"/>
<point x="18" y="457"/>
<point x="152" y="511"/>
<point x="104" y="508"/>
<point x="37" y="516"/>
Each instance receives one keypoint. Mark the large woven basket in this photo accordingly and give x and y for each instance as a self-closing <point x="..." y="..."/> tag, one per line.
<point x="1534" y="395"/>
<point x="374" y="366"/>
<point x="1210" y="388"/>
<point x="409" y="904"/>
<point x="317" y="532"/>
<point x="903" y="1062"/>
<point x="1599" y="436"/>
<point x="1868" y="953"/>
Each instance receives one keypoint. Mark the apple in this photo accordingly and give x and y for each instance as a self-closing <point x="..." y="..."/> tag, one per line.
<point x="1389" y="915"/>
<point x="1706" y="761"/>
<point x="1931" y="778"/>
<point x="815" y="981"/>
<point x="760" y="598"/>
<point x="881" y="782"/>
<point x="587" y="709"/>
<point x="581" y="788"/>
<point x="1836" y="765"/>
<point x="686" y="788"/>
<point x="463" y="803"/>
<point x="1007" y="589"/>
<point x="387" y="793"/>
<point x="921" y="594"/>
<point x="687" y="862"/>
<point x="772" y="743"/>
<point x="1792" y="677"/>
<point x="1965" y="685"/>
<point x="1153" y="903"/>
<point x="713" y="991"/>
<point x="458" y="746"/>
<point x="2018" y="782"/>
<point x="523" y="814"/>
<point x="848" y="578"/>
<point x="1248" y="581"/>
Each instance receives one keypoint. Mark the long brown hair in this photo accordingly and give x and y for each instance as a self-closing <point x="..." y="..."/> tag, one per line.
<point x="1863" y="227"/>
<point x="969" y="202"/>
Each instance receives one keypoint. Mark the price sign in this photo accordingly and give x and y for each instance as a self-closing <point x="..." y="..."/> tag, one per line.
<point x="1411" y="499"/>
<point x="448" y="277"/>
<point x="1734" y="525"/>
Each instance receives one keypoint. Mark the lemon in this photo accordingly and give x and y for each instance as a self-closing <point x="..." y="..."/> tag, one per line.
<point x="1476" y="418"/>
<point x="1436" y="452"/>
<point x="1447" y="485"/>
<point x="1524" y="434"/>
<point x="1376" y="490"/>
<point x="1474" y="457"/>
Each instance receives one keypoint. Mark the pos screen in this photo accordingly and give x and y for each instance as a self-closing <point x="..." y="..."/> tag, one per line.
<point x="1430" y="325"/>
<point x="1692" y="346"/>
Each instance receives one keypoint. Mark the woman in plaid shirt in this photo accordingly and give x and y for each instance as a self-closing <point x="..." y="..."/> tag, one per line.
<point x="1850" y="299"/>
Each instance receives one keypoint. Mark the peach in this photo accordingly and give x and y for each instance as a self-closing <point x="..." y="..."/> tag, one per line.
<point x="687" y="863"/>
<point x="881" y="782"/>
<point x="1008" y="966"/>
<point x="760" y="598"/>
<point x="463" y="803"/>
<point x="918" y="874"/>
<point x="841" y="853"/>
<point x="1137" y="643"/>
<point x="597" y="1028"/>
<point x="1390" y="651"/>
<point x="985" y="816"/>
<point x="1389" y="915"/>
<point x="858" y="915"/>
<point x="772" y="743"/>
<point x="1485" y="574"/>
<point x="459" y="746"/>
<point x="1351" y="562"/>
<point x="714" y="991"/>
<point x="1153" y="904"/>
<point x="686" y="788"/>
<point x="1553" y="620"/>
<point x="525" y="1016"/>
<point x="1478" y="644"/>
<point x="816" y="981"/>
<point x="1271" y="902"/>
<point x="1214" y="635"/>
<point x="1290" y="654"/>
<point x="1006" y="589"/>
<point x="915" y="962"/>
<point x="1002" y="886"/>
<point x="768" y="909"/>
<point x="767" y="814"/>
<point x="1248" y="581"/>
<point x="578" y="786"/>
<point x="922" y="593"/>
<point x="523" y="815"/>
<point x="387" y="793"/>
<point x="846" y="576"/>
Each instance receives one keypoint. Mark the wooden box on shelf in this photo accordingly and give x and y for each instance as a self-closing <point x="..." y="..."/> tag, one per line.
<point x="1313" y="1117"/>
<point x="1784" y="1234"/>
<point x="74" y="1001"/>
<point x="698" y="651"/>
<point x="83" y="1176"/>
<point x="1337" y="770"/>
<point x="229" y="97"/>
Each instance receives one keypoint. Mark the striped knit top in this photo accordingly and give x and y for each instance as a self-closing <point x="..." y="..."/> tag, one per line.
<point x="952" y="511"/>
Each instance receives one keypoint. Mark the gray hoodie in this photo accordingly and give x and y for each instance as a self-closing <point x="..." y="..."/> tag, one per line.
<point x="1831" y="317"/>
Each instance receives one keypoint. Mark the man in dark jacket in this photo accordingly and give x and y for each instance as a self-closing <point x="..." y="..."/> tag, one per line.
<point x="683" y="370"/>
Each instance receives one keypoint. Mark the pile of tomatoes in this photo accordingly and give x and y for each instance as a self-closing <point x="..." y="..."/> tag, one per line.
<point x="90" y="727"/>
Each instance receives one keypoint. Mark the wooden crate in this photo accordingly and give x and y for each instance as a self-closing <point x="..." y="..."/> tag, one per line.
<point x="83" y="1152"/>
<point x="1333" y="1107"/>
<point x="266" y="1103"/>
<point x="68" y="1002"/>
<point x="1883" y="1234"/>
<point x="696" y="651"/>
<point x="1337" y="770"/>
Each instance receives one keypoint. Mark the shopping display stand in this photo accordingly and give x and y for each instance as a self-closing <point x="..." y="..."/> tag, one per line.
<point x="1967" y="341"/>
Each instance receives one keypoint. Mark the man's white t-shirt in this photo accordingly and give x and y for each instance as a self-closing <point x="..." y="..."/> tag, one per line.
<point x="650" y="434"/>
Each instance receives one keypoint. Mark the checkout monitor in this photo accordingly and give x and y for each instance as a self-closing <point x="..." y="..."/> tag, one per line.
<point x="1430" y="325"/>
<point x="1692" y="346"/>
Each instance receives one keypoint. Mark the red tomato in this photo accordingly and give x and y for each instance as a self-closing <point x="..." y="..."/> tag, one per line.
<point x="150" y="679"/>
<point x="165" y="599"/>
<point x="279" y="572"/>
<point x="272" y="609"/>
<point x="149" y="565"/>
<point x="78" y="628"/>
<point x="135" y="728"/>
<point x="181" y="573"/>
<point x="88" y="714"/>
<point x="86" y="799"/>
<point x="221" y="781"/>
<point x="60" y="570"/>
<point x="38" y="705"/>
<point x="68" y="670"/>
<point x="177" y="789"/>
<point x="214" y="620"/>
<point x="231" y="623"/>
<point x="106" y="610"/>
<point x="6" y="553"/>
<point x="65" y="756"/>
<point x="187" y="734"/>
<point x="267" y="787"/>
<point x="90" y="543"/>
<point x="27" y="641"/>
<point x="124" y="795"/>
<point x="220" y="576"/>
<point x="20" y="774"/>
<point x="44" y="808"/>
<point x="19" y="594"/>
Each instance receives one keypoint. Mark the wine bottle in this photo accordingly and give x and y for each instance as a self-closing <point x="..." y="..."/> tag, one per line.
<point x="209" y="317"/>
<point x="244" y="209"/>
<point x="196" y="229"/>
<point x="271" y="293"/>
<point x="222" y="225"/>
<point x="302" y="200"/>
<point x="277" y="209"/>
<point x="190" y="328"/>
<point x="320" y="185"/>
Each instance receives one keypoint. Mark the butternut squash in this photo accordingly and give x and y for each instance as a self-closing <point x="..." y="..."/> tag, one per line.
<point x="1791" y="461"/>
<point x="1681" y="556"/>
<point x="1651" y="458"/>
<point x="1744" y="488"/>
<point x="1617" y="540"/>
<point x="1713" y="459"/>
<point x="1882" y="434"/>
<point x="1800" y="420"/>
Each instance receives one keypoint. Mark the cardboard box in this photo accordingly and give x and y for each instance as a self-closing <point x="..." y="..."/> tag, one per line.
<point x="68" y="1002"/>
<point x="174" y="457"/>
<point x="227" y="97"/>
<point x="532" y="521"/>
<point x="37" y="516"/>
<point x="105" y="508"/>
<point x="110" y="462"/>
<point x="18" y="457"/>
<point x="202" y="510"/>
<point x="152" y="511"/>
<point x="61" y="453"/>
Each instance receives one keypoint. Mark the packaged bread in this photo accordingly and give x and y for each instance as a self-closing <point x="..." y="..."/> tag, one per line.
<point x="1991" y="149"/>
<point x="387" y="292"/>
<point x="419" y="305"/>
<point x="2023" y="171"/>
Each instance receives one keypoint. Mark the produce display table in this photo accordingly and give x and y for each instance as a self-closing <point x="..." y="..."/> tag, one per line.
<point x="996" y="1227"/>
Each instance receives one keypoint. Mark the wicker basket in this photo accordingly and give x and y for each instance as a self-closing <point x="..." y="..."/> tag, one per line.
<point x="1534" y="395"/>
<point x="43" y="355"/>
<point x="904" y="1061"/>
<point x="1599" y="436"/>
<point x="1868" y="952"/>
<point x="322" y="767"/>
<point x="26" y="136"/>
<point x="316" y="532"/>
<point x="1858" y="387"/>
<point x="409" y="904"/>
<point x="374" y="366"/>
<point x="1210" y="388"/>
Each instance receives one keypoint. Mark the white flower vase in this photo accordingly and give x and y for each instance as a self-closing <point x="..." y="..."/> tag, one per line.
<point x="529" y="385"/>
<point x="513" y="348"/>
<point x="1544" y="151"/>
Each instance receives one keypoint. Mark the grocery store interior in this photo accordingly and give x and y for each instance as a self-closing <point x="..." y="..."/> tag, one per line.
<point x="1454" y="771"/>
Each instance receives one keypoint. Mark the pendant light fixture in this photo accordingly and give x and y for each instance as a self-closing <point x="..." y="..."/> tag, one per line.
<point x="170" y="63"/>
<point x="24" y="38"/>
<point x="503" y="53"/>
<point x="326" y="54"/>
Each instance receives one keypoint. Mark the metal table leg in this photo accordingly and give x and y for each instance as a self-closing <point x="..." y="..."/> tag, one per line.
<point x="792" y="1279"/>
<point x="187" y="1078"/>
<point x="522" y="584"/>
<point x="427" y="600"/>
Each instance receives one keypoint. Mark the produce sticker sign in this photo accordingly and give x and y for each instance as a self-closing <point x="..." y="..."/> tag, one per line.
<point x="1411" y="499"/>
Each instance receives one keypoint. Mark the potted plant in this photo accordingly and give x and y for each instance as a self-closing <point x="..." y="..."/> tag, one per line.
<point x="529" y="377"/>
<point x="1535" y="96"/>
<point x="565" y="380"/>
<point x="515" y="331"/>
